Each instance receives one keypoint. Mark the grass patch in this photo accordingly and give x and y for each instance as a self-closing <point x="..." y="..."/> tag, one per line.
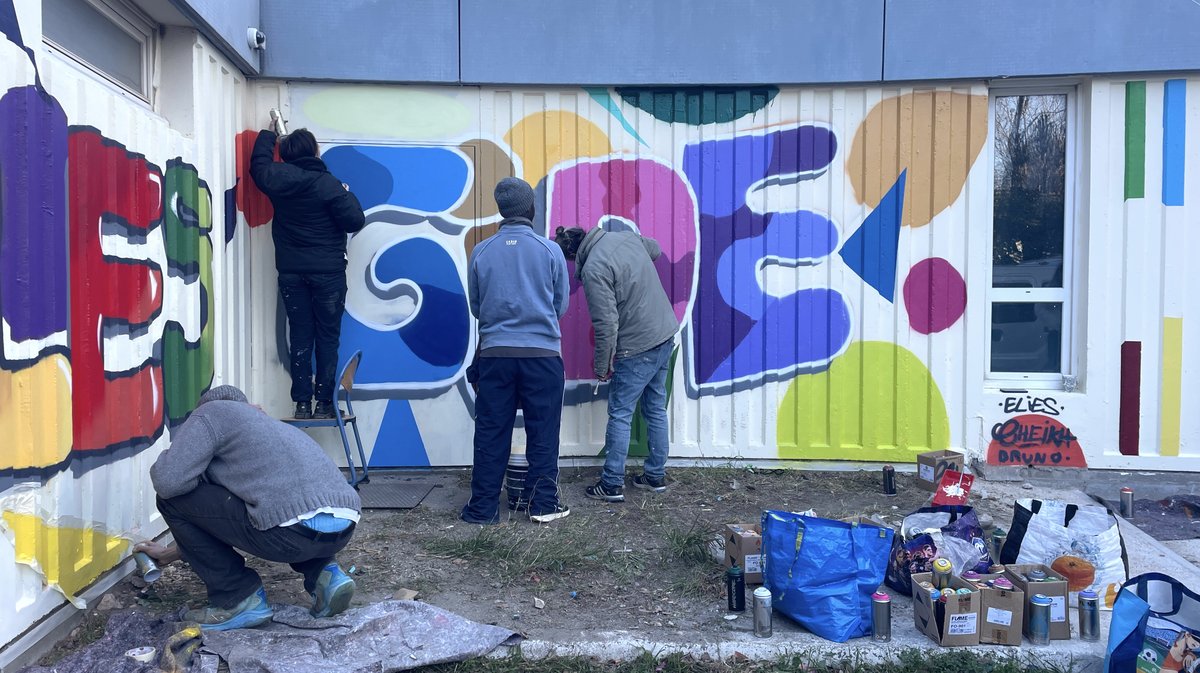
<point x="518" y="550"/>
<point x="911" y="661"/>
<point x="689" y="545"/>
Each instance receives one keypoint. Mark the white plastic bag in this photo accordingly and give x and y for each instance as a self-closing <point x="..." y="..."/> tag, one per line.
<point x="1081" y="543"/>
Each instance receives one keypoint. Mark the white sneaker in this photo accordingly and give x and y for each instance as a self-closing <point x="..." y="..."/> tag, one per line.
<point x="560" y="511"/>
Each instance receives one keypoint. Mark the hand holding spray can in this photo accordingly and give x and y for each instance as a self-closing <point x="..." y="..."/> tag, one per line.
<point x="146" y="567"/>
<point x="762" y="612"/>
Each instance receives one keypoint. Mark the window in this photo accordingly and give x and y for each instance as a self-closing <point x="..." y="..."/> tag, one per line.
<point x="108" y="36"/>
<point x="1029" y="301"/>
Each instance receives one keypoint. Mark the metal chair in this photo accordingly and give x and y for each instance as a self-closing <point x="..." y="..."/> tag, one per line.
<point x="340" y="421"/>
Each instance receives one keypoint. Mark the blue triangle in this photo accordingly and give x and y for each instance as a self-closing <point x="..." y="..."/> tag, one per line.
<point x="871" y="251"/>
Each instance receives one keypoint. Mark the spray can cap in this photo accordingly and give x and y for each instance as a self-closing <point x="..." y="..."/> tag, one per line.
<point x="1002" y="583"/>
<point x="942" y="565"/>
<point x="735" y="569"/>
<point x="881" y="597"/>
<point x="762" y="592"/>
<point x="1040" y="599"/>
<point x="1126" y="489"/>
<point x="970" y="575"/>
<point x="1088" y="594"/>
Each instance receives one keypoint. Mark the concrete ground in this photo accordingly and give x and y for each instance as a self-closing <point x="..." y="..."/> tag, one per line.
<point x="726" y="639"/>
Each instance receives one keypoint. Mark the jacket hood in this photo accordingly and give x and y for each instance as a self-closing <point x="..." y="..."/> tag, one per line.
<point x="585" y="248"/>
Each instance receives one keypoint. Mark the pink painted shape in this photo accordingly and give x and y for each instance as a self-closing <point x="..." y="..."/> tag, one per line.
<point x="935" y="295"/>
<point x="643" y="191"/>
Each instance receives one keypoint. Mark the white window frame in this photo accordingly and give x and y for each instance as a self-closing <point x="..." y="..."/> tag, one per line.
<point x="1067" y="295"/>
<point x="132" y="21"/>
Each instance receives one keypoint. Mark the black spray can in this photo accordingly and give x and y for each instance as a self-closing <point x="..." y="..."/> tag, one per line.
<point x="889" y="480"/>
<point x="735" y="589"/>
<point x="1127" y="502"/>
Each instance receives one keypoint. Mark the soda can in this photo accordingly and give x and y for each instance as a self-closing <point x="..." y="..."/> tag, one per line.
<point x="881" y="616"/>
<point x="941" y="572"/>
<point x="1127" y="502"/>
<point x="1089" y="615"/>
<point x="889" y="480"/>
<point x="147" y="568"/>
<point x="762" y="612"/>
<point x="735" y="589"/>
<point x="1039" y="620"/>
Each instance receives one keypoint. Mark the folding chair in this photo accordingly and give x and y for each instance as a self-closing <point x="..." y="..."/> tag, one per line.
<point x="346" y="379"/>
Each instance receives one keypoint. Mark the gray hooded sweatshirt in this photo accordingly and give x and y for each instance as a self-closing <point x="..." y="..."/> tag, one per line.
<point x="630" y="310"/>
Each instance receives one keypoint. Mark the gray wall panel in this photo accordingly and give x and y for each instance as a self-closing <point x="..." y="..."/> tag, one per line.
<point x="939" y="39"/>
<point x="225" y="23"/>
<point x="613" y="42"/>
<point x="369" y="40"/>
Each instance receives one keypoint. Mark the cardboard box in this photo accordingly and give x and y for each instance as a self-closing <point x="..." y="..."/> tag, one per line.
<point x="1001" y="614"/>
<point x="1060" y="613"/>
<point x="743" y="544"/>
<point x="931" y="465"/>
<point x="954" y="623"/>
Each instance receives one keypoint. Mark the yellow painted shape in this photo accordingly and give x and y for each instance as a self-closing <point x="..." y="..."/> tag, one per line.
<point x="35" y="414"/>
<point x="936" y="135"/>
<point x="68" y="558"/>
<point x="546" y="139"/>
<point x="1172" y="386"/>
<point x="877" y="401"/>
<point x="388" y="112"/>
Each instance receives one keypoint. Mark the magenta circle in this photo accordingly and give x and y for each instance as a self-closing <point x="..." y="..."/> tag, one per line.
<point x="935" y="295"/>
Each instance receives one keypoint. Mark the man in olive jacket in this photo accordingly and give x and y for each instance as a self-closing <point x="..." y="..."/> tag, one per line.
<point x="635" y="329"/>
<point x="314" y="211"/>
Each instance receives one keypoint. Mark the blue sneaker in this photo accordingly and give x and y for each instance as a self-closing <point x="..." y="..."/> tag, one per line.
<point x="333" y="594"/>
<point x="252" y="611"/>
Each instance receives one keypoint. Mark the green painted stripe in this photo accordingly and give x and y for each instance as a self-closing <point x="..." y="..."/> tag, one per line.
<point x="1135" y="140"/>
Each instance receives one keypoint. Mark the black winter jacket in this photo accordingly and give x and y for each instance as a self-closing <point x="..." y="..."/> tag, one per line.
<point x="313" y="212"/>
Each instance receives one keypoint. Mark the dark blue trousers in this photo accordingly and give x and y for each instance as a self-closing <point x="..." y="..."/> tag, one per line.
<point x="537" y="384"/>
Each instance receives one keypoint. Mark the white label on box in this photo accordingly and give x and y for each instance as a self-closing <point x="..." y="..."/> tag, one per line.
<point x="927" y="472"/>
<point x="1058" y="609"/>
<point x="964" y="624"/>
<point x="753" y="563"/>
<point x="998" y="616"/>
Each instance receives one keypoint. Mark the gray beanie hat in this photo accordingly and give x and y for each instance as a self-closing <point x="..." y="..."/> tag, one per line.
<point x="514" y="197"/>
<point x="229" y="393"/>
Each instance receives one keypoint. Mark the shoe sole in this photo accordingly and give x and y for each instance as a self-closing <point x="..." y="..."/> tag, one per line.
<point x="606" y="498"/>
<point x="547" y="518"/>
<point x="246" y="620"/>
<point x="339" y="600"/>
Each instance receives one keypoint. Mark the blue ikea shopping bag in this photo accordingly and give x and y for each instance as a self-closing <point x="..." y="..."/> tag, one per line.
<point x="821" y="573"/>
<point x="1155" y="619"/>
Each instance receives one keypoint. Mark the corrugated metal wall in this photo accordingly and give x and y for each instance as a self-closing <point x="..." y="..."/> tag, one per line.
<point x="827" y="252"/>
<point x="112" y="229"/>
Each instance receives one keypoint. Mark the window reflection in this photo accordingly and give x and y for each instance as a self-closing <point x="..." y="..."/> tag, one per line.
<point x="1027" y="337"/>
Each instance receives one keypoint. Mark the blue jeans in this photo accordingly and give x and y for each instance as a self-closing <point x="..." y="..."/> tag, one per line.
<point x="642" y="376"/>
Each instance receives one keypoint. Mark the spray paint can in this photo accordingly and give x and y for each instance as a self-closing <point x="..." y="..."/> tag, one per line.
<point x="514" y="481"/>
<point x="762" y="612"/>
<point x="889" y="480"/>
<point x="941" y="572"/>
<point x="1089" y="615"/>
<point x="881" y="616"/>
<point x="1002" y="583"/>
<point x="999" y="535"/>
<point x="735" y="589"/>
<point x="146" y="567"/>
<point x="1039" y="620"/>
<point x="1127" y="502"/>
<point x="1035" y="575"/>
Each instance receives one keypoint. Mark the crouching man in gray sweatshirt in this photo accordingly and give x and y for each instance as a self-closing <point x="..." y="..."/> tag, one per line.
<point x="235" y="478"/>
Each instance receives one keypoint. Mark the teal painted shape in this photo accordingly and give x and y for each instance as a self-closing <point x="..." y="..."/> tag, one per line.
<point x="399" y="441"/>
<point x="699" y="105"/>
<point x="600" y="95"/>
<point x="871" y="251"/>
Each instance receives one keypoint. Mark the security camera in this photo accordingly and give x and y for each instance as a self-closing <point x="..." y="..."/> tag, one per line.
<point x="256" y="38"/>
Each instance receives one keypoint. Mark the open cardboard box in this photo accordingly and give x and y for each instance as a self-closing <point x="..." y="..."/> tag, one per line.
<point x="1060" y="615"/>
<point x="1001" y="614"/>
<point x="954" y="623"/>
<point x="931" y="465"/>
<point x="743" y="545"/>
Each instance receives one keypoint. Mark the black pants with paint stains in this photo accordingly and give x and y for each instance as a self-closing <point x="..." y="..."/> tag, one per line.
<point x="210" y="524"/>
<point x="314" y="303"/>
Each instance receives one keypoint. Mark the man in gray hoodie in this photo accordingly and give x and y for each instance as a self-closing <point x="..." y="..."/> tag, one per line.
<point x="635" y="334"/>
<point x="235" y="477"/>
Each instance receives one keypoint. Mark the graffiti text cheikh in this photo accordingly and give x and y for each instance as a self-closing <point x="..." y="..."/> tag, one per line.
<point x="1034" y="439"/>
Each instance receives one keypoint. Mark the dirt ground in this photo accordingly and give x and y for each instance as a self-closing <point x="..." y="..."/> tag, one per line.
<point x="644" y="564"/>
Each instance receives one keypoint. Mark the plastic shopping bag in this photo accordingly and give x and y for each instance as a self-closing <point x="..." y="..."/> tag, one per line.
<point x="949" y="531"/>
<point x="1080" y="542"/>
<point x="821" y="573"/>
<point x="1155" y="627"/>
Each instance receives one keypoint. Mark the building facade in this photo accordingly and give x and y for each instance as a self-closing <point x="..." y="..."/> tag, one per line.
<point x="888" y="227"/>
